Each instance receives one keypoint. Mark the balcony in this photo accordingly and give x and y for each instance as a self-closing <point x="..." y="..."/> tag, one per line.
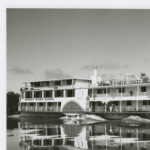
<point x="119" y="96"/>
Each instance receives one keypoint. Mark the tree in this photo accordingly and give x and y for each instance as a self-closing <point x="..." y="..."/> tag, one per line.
<point x="12" y="103"/>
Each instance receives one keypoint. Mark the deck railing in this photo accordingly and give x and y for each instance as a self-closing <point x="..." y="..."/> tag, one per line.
<point x="40" y="109"/>
<point x="121" y="95"/>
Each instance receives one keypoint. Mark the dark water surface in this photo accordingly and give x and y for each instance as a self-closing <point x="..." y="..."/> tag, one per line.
<point x="50" y="134"/>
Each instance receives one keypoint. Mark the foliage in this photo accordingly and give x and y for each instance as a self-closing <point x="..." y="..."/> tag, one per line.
<point x="12" y="103"/>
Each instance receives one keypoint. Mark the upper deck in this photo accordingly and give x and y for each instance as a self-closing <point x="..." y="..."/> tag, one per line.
<point x="56" y="84"/>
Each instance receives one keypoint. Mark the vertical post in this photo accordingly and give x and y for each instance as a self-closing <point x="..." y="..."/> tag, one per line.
<point x="52" y="141"/>
<point x="32" y="94"/>
<point x="137" y="103"/>
<point x="57" y="106"/>
<point x="36" y="106"/>
<point x="53" y="93"/>
<point x="64" y="93"/>
<point x="42" y="95"/>
<point x="46" y="130"/>
<point x="92" y="93"/>
<point x="121" y="137"/>
<point x="105" y="107"/>
<point x="42" y="143"/>
<point x="120" y="106"/>
<point x="45" y="106"/>
<point x="121" y="98"/>
<point x="106" y="135"/>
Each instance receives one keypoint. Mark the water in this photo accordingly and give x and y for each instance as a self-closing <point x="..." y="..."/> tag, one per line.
<point x="50" y="134"/>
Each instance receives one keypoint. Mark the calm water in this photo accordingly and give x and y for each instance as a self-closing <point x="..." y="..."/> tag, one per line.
<point x="48" y="134"/>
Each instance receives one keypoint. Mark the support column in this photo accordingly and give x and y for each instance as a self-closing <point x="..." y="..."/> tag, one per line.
<point x="64" y="93"/>
<point x="42" y="143"/>
<point x="121" y="98"/>
<point x="92" y="93"/>
<point x="53" y="93"/>
<point x="105" y="108"/>
<point x="42" y="94"/>
<point x="91" y="105"/>
<point x="45" y="106"/>
<point x="121" y="138"/>
<point x="106" y="136"/>
<point x="36" y="106"/>
<point x="120" y="105"/>
<point x="57" y="106"/>
<point x="137" y="103"/>
<point x="46" y="130"/>
<point x="32" y="94"/>
<point x="52" y="142"/>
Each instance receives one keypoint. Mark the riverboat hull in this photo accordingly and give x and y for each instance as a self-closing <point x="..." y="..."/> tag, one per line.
<point x="105" y="115"/>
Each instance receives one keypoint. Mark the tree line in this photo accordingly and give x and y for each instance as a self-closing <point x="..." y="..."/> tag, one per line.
<point x="12" y="103"/>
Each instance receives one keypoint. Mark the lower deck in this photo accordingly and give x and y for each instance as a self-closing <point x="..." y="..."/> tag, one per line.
<point x="92" y="106"/>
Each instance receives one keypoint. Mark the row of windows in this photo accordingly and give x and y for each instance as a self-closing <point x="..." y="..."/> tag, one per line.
<point x="57" y="93"/>
<point x="51" y="83"/>
<point x="42" y="104"/>
<point x="128" y="103"/>
<point x="104" y="91"/>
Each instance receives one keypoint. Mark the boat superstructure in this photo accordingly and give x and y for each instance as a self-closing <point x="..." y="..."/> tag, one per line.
<point x="130" y="94"/>
<point x="65" y="95"/>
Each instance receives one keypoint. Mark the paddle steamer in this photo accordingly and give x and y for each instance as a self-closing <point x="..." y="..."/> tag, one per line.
<point x="113" y="99"/>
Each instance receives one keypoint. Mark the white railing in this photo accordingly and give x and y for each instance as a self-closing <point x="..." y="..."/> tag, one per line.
<point x="41" y="108"/>
<point x="139" y="95"/>
<point x="122" y="108"/>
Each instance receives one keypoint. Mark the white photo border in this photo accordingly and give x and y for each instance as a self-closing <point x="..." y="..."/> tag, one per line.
<point x="64" y="4"/>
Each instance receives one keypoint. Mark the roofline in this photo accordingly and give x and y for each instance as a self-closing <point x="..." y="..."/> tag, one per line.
<point x="58" y="80"/>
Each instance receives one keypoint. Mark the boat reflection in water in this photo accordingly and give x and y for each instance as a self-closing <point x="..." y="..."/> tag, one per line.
<point x="47" y="135"/>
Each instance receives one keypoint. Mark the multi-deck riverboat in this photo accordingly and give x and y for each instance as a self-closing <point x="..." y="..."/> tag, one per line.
<point x="113" y="99"/>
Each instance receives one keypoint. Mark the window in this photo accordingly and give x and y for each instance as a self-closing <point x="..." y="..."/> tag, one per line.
<point x="49" y="104"/>
<point x="38" y="94"/>
<point x="108" y="90"/>
<point x="36" y="84"/>
<point x="45" y="84"/>
<point x="131" y="93"/>
<point x="69" y="82"/>
<point x="144" y="102"/>
<point x="59" y="93"/>
<point x="116" y="103"/>
<point x="99" y="104"/>
<point x="90" y="92"/>
<point x="129" y="135"/>
<point x="31" y="104"/>
<point x="41" y="104"/>
<point x="59" y="104"/>
<point x="28" y="94"/>
<point x="121" y="90"/>
<point x="70" y="93"/>
<point x="99" y="91"/>
<point x="47" y="93"/>
<point x="104" y="91"/>
<point x="143" y="89"/>
<point x="129" y="103"/>
<point x="57" y="83"/>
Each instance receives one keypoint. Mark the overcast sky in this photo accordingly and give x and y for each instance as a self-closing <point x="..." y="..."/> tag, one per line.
<point x="45" y="44"/>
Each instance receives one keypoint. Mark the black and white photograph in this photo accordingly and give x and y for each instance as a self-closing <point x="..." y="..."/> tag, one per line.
<point x="78" y="79"/>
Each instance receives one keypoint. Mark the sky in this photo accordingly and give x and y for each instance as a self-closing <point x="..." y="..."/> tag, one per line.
<point x="45" y="44"/>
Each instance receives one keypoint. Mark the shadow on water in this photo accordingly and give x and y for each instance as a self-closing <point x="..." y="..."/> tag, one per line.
<point x="53" y="134"/>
